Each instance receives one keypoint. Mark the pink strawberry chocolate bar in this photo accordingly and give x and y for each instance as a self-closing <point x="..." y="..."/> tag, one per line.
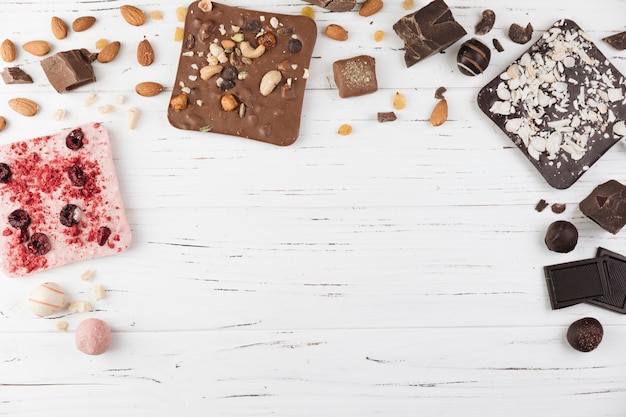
<point x="59" y="201"/>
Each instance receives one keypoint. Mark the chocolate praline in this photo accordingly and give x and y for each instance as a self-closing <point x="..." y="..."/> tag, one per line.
<point x="585" y="334"/>
<point x="473" y="57"/>
<point x="561" y="236"/>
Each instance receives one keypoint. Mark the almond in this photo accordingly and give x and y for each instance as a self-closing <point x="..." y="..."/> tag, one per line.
<point x="37" y="48"/>
<point x="109" y="52"/>
<point x="148" y="89"/>
<point x="7" y="50"/>
<point x="83" y="23"/>
<point x="24" y="106"/>
<point x="336" y="32"/>
<point x="133" y="15"/>
<point x="3" y="123"/>
<point x="370" y="7"/>
<point x="59" y="28"/>
<point x="145" y="53"/>
<point x="440" y="113"/>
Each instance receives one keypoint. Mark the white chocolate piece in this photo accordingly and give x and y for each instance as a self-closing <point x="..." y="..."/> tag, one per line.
<point x="46" y="299"/>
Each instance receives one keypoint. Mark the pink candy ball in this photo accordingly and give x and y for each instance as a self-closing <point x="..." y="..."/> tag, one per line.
<point x="93" y="337"/>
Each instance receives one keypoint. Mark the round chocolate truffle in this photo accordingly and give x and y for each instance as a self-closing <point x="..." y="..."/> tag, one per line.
<point x="93" y="336"/>
<point x="473" y="57"/>
<point x="561" y="236"/>
<point x="585" y="334"/>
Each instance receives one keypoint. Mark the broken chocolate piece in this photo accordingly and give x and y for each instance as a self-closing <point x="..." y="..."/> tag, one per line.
<point x="541" y="205"/>
<point x="68" y="70"/>
<point x="334" y="5"/>
<point x="615" y="270"/>
<point x="16" y="75"/>
<point x="427" y="31"/>
<point x="606" y="205"/>
<point x="355" y="76"/>
<point x="388" y="116"/>
<point x="439" y="93"/>
<point x="519" y="34"/>
<point x="585" y="334"/>
<point x="497" y="45"/>
<point x="617" y="41"/>
<point x="575" y="282"/>
<point x="486" y="22"/>
<point x="558" y="208"/>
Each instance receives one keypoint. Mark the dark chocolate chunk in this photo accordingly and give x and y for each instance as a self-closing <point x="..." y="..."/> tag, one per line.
<point x="439" y="93"/>
<point x="561" y="236"/>
<point x="486" y="22"/>
<point x="558" y="208"/>
<point x="615" y="271"/>
<point x="585" y="334"/>
<point x="39" y="244"/>
<point x="68" y="70"/>
<point x="562" y="133"/>
<point x="497" y="45"/>
<point x="355" y="76"/>
<point x="271" y="114"/>
<point x="541" y="205"/>
<point x="388" y="116"/>
<point x="519" y="34"/>
<point x="334" y="5"/>
<point x="617" y="41"/>
<point x="575" y="282"/>
<point x="473" y="57"/>
<point x="5" y="173"/>
<point x="16" y="75"/>
<point x="427" y="31"/>
<point x="606" y="205"/>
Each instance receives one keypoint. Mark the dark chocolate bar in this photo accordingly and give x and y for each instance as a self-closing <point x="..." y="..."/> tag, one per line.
<point x="68" y="70"/>
<point x="427" y="31"/>
<point x="606" y="206"/>
<point x="615" y="271"/>
<point x="558" y="103"/>
<point x="575" y="282"/>
<point x="243" y="73"/>
<point x="334" y="5"/>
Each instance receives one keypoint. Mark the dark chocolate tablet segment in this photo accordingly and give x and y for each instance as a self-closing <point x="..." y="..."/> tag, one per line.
<point x="615" y="270"/>
<point x="574" y="282"/>
<point x="606" y="205"/>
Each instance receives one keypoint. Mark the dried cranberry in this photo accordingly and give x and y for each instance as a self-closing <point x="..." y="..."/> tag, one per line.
<point x="253" y="26"/>
<point x="70" y="214"/>
<point x="5" y="173"/>
<point x="294" y="45"/>
<point x="227" y="85"/>
<point x="229" y="73"/>
<point x="39" y="244"/>
<point x="268" y="40"/>
<point x="103" y="235"/>
<point x="77" y="176"/>
<point x="74" y="140"/>
<point x="19" y="219"/>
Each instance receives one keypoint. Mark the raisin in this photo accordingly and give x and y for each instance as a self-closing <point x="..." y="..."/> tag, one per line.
<point x="294" y="45"/>
<point x="103" y="235"/>
<point x="253" y="26"/>
<point x="190" y="41"/>
<point x="5" y="173"/>
<point x="69" y="216"/>
<point x="19" y="219"/>
<point x="229" y="73"/>
<point x="227" y="85"/>
<point x="39" y="244"/>
<point x="76" y="175"/>
<point x="268" y="40"/>
<point x="74" y="140"/>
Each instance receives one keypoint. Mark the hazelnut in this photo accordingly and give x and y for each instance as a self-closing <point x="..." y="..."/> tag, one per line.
<point x="229" y="102"/>
<point x="179" y="102"/>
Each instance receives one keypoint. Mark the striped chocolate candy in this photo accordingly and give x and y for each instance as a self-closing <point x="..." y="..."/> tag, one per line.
<point x="473" y="57"/>
<point x="46" y="299"/>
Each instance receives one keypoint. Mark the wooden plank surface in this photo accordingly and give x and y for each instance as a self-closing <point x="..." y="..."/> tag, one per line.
<point x="394" y="271"/>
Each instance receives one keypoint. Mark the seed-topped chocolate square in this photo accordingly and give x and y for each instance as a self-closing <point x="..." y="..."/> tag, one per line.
<point x="561" y="102"/>
<point x="242" y="72"/>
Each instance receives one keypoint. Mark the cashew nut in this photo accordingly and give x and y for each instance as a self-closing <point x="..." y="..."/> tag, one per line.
<point x="249" y="52"/>
<point x="208" y="71"/>
<point x="269" y="82"/>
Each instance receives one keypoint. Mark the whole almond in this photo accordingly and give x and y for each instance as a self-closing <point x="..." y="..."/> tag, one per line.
<point x="109" y="52"/>
<point x="59" y="28"/>
<point x="24" y="106"/>
<point x="148" y="88"/>
<point x="440" y="113"/>
<point x="7" y="50"/>
<point x="83" y="23"/>
<point x="3" y="123"/>
<point x="370" y="7"/>
<point x="133" y="15"/>
<point x="37" y="48"/>
<point x="336" y="32"/>
<point x="145" y="53"/>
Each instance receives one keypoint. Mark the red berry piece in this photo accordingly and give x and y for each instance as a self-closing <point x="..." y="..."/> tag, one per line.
<point x="5" y="173"/>
<point x="39" y="244"/>
<point x="74" y="140"/>
<point x="19" y="219"/>
<point x="76" y="175"/>
<point x="70" y="215"/>
<point x="103" y="235"/>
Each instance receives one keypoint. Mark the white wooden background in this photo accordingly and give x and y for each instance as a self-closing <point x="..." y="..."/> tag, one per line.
<point x="396" y="271"/>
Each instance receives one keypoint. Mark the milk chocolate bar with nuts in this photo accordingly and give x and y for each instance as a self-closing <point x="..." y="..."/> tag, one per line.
<point x="242" y="73"/>
<point x="334" y="5"/>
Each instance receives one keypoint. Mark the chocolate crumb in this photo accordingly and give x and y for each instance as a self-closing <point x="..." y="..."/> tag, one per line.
<point x="541" y="205"/>
<point x="617" y="41"/>
<point x="558" y="208"/>
<point x="439" y="93"/>
<point x="386" y="116"/>
<point x="519" y="34"/>
<point x="485" y="24"/>
<point x="497" y="45"/>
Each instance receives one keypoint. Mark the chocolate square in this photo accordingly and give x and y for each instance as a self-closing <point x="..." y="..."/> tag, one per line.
<point x="615" y="271"/>
<point x="68" y="70"/>
<point x="558" y="103"/>
<point x="574" y="282"/>
<point x="427" y="31"/>
<point x="606" y="205"/>
<point x="233" y="101"/>
<point x="355" y="76"/>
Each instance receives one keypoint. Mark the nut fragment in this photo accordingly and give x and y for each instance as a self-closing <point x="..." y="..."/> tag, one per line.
<point x="336" y="32"/>
<point x="24" y="106"/>
<point x="79" y="307"/>
<point x="399" y="101"/>
<point x="62" y="326"/>
<point x="209" y="71"/>
<point x="133" y="15"/>
<point x="59" y="28"/>
<point x="205" y="5"/>
<point x="179" y="102"/>
<point x="58" y="114"/>
<point x="132" y="118"/>
<point x="249" y="52"/>
<point x="269" y="82"/>
<point x="519" y="34"/>
<point x="440" y="113"/>
<point x="148" y="88"/>
<point x="99" y="292"/>
<point x="486" y="22"/>
<point x="7" y="50"/>
<point x="83" y="23"/>
<point x="145" y="53"/>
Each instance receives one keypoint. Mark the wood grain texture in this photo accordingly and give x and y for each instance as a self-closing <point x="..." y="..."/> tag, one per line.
<point x="394" y="271"/>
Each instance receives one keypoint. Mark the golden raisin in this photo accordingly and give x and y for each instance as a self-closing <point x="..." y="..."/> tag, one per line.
<point x="178" y="35"/>
<point x="156" y="15"/>
<point x="345" y="129"/>
<point x="407" y="4"/>
<point x="101" y="43"/>
<point x="181" y="13"/>
<point x="378" y="35"/>
<point x="308" y="12"/>
<point x="399" y="101"/>
<point x="267" y="39"/>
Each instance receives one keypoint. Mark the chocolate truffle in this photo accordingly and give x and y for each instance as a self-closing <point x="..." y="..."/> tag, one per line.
<point x="585" y="334"/>
<point x="606" y="205"/>
<point x="93" y="336"/>
<point x="473" y="57"/>
<point x="561" y="236"/>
